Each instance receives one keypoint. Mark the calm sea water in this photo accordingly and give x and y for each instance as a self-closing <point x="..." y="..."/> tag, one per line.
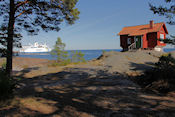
<point x="88" y="54"/>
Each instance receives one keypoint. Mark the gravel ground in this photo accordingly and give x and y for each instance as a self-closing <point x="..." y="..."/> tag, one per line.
<point x="129" y="62"/>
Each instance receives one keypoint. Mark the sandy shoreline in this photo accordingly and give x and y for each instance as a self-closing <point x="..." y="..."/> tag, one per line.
<point x="20" y="63"/>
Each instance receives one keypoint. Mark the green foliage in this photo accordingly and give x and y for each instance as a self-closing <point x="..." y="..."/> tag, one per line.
<point x="65" y="62"/>
<point x="162" y="78"/>
<point x="62" y="56"/>
<point x="3" y="66"/>
<point x="59" y="50"/>
<point x="62" y="63"/>
<point x="103" y="51"/>
<point x="7" y="86"/>
<point x="170" y="40"/>
<point x="167" y="10"/>
<point x="77" y="56"/>
<point x="166" y="62"/>
<point x="54" y="64"/>
<point x="32" y="16"/>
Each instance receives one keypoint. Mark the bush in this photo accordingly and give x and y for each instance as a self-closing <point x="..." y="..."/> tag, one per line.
<point x="61" y="63"/>
<point x="4" y="65"/>
<point x="77" y="57"/>
<point x="64" y="62"/>
<point x="7" y="86"/>
<point x="62" y="56"/>
<point x="162" y="77"/>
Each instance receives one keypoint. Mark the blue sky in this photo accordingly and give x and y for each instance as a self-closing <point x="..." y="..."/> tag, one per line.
<point x="99" y="23"/>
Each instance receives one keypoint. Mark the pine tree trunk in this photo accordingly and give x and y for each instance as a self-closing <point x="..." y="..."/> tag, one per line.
<point x="10" y="38"/>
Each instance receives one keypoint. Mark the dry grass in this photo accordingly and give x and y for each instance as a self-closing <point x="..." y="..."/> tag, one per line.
<point x="2" y="61"/>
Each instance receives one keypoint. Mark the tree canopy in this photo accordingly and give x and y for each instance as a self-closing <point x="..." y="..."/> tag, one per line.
<point x="167" y="10"/>
<point x="32" y="16"/>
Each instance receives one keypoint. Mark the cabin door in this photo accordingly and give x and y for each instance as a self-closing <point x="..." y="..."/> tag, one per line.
<point x="138" y="41"/>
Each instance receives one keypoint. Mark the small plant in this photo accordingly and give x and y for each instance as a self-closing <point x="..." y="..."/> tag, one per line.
<point x="62" y="56"/>
<point x="77" y="56"/>
<point x="166" y="62"/>
<point x="65" y="62"/>
<point x="3" y="66"/>
<point x="103" y="51"/>
<point x="7" y="86"/>
<point x="54" y="64"/>
<point x="59" y="50"/>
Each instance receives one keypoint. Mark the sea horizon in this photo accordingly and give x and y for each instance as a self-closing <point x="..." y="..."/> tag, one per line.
<point x="88" y="54"/>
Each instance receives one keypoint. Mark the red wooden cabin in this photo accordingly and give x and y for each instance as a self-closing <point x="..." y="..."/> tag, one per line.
<point x="143" y="36"/>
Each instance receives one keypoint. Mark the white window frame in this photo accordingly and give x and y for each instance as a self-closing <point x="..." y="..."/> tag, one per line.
<point x="162" y="36"/>
<point x="129" y="41"/>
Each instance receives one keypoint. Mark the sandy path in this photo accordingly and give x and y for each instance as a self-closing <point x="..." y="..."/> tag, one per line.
<point x="87" y="91"/>
<point x="90" y="90"/>
<point x="20" y="63"/>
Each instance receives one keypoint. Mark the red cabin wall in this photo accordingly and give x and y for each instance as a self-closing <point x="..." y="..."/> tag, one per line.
<point x="124" y="41"/>
<point x="149" y="40"/>
<point x="144" y="41"/>
<point x="162" y="31"/>
<point x="152" y="39"/>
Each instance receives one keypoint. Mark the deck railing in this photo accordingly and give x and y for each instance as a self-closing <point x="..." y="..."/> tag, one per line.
<point x="132" y="46"/>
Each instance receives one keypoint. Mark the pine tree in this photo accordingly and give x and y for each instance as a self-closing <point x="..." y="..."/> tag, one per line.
<point x="77" y="56"/>
<point x="167" y="10"/>
<point x="32" y="16"/>
<point x="59" y="50"/>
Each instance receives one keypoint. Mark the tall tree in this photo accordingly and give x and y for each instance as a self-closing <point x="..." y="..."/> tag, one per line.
<point x="167" y="10"/>
<point x="32" y="16"/>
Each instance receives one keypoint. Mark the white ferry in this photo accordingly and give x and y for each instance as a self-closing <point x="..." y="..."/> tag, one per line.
<point x="36" y="47"/>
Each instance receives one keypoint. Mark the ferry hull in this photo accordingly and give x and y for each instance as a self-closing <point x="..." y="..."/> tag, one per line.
<point x="35" y="48"/>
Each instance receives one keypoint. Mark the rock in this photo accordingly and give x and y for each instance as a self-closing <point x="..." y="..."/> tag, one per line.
<point x="172" y="54"/>
<point x="128" y="62"/>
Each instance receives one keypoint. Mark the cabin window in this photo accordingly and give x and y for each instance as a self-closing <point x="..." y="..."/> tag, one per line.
<point x="129" y="40"/>
<point x="161" y="37"/>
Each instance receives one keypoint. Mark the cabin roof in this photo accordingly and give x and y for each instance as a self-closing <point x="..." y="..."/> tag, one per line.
<point x="142" y="29"/>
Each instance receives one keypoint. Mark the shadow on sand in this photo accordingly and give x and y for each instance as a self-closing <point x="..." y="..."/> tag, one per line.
<point x="86" y="92"/>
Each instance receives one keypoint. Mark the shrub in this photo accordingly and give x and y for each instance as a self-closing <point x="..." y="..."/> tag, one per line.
<point x="53" y="64"/>
<point x="59" y="50"/>
<point x="162" y="77"/>
<point x="3" y="65"/>
<point x="77" y="57"/>
<point x="7" y="86"/>
<point x="63" y="58"/>
<point x="103" y="51"/>
<point x="60" y="63"/>
<point x="64" y="62"/>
